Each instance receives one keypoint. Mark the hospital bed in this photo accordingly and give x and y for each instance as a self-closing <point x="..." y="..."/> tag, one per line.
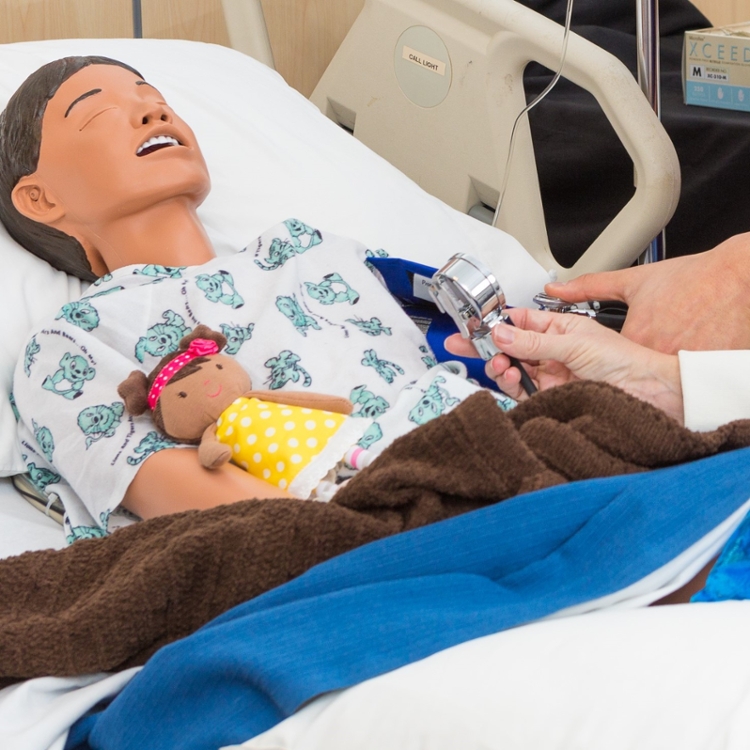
<point x="619" y="678"/>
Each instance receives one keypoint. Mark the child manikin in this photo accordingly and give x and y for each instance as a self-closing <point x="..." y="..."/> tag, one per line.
<point x="201" y="397"/>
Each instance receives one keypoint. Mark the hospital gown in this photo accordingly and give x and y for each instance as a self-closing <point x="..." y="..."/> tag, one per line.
<point x="300" y="309"/>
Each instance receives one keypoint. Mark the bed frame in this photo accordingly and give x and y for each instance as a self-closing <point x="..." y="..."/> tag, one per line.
<point x="246" y="26"/>
<point x="434" y="86"/>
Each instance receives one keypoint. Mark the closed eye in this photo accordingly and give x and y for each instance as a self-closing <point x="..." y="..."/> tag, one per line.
<point x="219" y="367"/>
<point x="182" y="394"/>
<point x="94" y="116"/>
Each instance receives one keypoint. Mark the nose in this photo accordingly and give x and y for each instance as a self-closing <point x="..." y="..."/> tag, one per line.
<point x="149" y="112"/>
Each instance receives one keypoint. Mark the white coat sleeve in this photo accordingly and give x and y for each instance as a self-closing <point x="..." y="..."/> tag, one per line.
<point x="715" y="387"/>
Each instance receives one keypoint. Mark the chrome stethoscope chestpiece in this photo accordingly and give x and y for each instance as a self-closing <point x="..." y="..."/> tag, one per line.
<point x="468" y="291"/>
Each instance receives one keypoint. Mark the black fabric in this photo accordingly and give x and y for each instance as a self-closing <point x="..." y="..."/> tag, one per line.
<point x="585" y="174"/>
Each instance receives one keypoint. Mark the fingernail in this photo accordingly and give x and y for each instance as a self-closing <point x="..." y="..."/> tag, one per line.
<point x="503" y="333"/>
<point x="556" y="285"/>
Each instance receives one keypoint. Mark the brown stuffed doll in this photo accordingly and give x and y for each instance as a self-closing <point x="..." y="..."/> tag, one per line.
<point x="201" y="397"/>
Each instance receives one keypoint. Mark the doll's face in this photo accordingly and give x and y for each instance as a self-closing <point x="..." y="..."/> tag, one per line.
<point x="111" y="147"/>
<point x="191" y="404"/>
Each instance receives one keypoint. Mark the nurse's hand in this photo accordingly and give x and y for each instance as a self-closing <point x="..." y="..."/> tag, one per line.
<point x="698" y="302"/>
<point x="557" y="349"/>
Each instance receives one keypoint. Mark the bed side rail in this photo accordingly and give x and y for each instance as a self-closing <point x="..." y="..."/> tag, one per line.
<point x="434" y="86"/>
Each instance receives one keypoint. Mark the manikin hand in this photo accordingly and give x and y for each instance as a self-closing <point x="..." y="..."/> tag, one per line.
<point x="559" y="348"/>
<point x="697" y="302"/>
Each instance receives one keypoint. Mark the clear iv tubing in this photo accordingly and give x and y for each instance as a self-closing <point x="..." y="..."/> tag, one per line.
<point x="531" y="105"/>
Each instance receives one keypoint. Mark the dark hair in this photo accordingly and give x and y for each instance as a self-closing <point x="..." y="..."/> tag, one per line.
<point x="20" y="140"/>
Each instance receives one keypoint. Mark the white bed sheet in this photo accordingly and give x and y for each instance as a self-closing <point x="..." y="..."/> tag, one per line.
<point x="23" y="527"/>
<point x="663" y="678"/>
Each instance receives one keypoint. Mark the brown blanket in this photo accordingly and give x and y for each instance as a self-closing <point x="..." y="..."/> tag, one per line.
<point x="106" y="604"/>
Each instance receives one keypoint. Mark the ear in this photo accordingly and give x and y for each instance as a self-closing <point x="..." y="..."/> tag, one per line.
<point x="134" y="392"/>
<point x="34" y="201"/>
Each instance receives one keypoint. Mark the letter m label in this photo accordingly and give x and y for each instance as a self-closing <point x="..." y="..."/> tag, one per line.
<point x="697" y="71"/>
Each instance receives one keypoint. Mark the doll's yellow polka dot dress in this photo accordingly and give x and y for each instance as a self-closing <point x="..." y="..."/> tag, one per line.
<point x="290" y="446"/>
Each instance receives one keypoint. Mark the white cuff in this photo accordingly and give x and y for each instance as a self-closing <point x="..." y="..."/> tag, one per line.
<point x="715" y="387"/>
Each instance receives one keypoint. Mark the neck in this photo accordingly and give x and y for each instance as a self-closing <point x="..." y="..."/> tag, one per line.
<point x="167" y="234"/>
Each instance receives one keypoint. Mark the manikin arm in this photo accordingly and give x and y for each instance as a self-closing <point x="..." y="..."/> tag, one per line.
<point x="173" y="480"/>
<point x="320" y="401"/>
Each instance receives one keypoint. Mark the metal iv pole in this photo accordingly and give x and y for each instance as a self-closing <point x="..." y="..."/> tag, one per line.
<point x="137" y="20"/>
<point x="647" y="35"/>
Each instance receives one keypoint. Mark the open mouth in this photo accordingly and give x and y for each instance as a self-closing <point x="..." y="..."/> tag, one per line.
<point x="156" y="143"/>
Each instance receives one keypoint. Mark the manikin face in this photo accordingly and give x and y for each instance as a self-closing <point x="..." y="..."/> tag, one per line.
<point x="111" y="147"/>
<point x="191" y="404"/>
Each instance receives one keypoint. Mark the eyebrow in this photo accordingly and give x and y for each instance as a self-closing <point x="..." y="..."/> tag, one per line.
<point x="98" y="91"/>
<point x="80" y="98"/>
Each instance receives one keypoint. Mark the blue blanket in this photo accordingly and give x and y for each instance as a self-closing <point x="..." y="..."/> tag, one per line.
<point x="403" y="598"/>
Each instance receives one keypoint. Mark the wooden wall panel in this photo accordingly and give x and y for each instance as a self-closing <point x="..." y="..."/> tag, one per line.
<point x="28" y="20"/>
<point x="305" y="34"/>
<point x="723" y="12"/>
<point x="199" y="20"/>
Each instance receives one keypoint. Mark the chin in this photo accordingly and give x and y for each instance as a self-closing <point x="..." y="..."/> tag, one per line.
<point x="191" y="188"/>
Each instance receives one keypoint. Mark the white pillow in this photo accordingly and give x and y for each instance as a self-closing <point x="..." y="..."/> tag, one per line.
<point x="272" y="155"/>
<point x="32" y="292"/>
<point x="644" y="679"/>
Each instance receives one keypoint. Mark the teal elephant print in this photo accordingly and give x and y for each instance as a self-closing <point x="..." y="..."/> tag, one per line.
<point x="279" y="252"/>
<point x="370" y="405"/>
<point x="44" y="439"/>
<point x="286" y="369"/>
<point x="291" y="309"/>
<point x="219" y="287"/>
<point x="371" y="436"/>
<point x="69" y="380"/>
<point x="41" y="477"/>
<point x="77" y="533"/>
<point x="159" y="273"/>
<point x="428" y="357"/>
<point x="150" y="444"/>
<point x="104" y="520"/>
<point x="435" y="400"/>
<point x="162" y="338"/>
<point x="98" y="422"/>
<point x="506" y="403"/>
<point x="13" y="406"/>
<point x="372" y="327"/>
<point x="236" y="336"/>
<point x="387" y="370"/>
<point x="303" y="236"/>
<point x="82" y="313"/>
<point x="332" y="290"/>
<point x="103" y="279"/>
<point x="29" y="357"/>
